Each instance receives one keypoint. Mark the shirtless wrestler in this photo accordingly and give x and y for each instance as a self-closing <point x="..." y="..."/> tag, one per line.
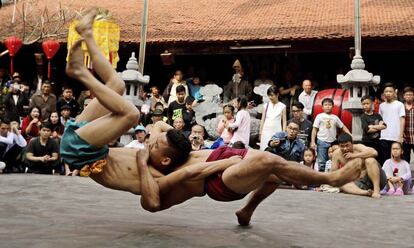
<point x="84" y="147"/>
<point x="372" y="179"/>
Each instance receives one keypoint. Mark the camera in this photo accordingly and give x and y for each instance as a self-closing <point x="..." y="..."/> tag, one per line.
<point x="196" y="138"/>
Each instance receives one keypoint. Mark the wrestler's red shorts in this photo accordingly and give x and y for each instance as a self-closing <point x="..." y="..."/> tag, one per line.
<point x="214" y="186"/>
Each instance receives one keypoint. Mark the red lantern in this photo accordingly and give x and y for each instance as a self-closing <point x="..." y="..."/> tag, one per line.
<point x="50" y="47"/>
<point x="13" y="44"/>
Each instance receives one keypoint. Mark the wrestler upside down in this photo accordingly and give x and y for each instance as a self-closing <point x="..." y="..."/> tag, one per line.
<point x="166" y="173"/>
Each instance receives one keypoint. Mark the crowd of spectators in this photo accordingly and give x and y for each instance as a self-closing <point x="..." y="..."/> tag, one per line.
<point x="288" y="127"/>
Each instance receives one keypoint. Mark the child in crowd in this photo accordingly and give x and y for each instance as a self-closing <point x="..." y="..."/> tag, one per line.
<point x="398" y="172"/>
<point x="241" y="126"/>
<point x="273" y="117"/>
<point x="324" y="131"/>
<point x="309" y="159"/>
<point x="329" y="162"/>
<point x="228" y="118"/>
<point x="372" y="124"/>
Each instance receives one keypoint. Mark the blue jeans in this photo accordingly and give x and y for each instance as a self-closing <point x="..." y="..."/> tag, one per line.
<point x="322" y="150"/>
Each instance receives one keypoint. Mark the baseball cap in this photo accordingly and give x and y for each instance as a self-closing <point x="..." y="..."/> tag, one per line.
<point x="157" y="112"/>
<point x="139" y="128"/>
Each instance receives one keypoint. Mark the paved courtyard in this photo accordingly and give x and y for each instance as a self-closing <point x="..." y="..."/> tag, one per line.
<point x="56" y="211"/>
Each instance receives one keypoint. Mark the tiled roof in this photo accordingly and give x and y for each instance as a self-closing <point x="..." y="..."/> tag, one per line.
<point x="241" y="20"/>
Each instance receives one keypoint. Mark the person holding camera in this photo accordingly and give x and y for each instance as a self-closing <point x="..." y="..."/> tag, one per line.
<point x="287" y="144"/>
<point x="196" y="138"/>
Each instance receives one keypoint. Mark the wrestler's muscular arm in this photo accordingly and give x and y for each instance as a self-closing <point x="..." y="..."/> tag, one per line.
<point x="361" y="151"/>
<point x="153" y="189"/>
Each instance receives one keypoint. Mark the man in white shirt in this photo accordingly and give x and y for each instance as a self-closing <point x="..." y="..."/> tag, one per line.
<point x="307" y="97"/>
<point x="11" y="144"/>
<point x="140" y="138"/>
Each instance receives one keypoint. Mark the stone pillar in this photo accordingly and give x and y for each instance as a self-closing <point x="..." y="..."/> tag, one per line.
<point x="133" y="80"/>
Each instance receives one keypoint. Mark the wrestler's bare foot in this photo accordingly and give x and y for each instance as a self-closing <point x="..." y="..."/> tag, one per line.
<point x="243" y="217"/>
<point x="375" y="195"/>
<point x="75" y="67"/>
<point x="84" y="27"/>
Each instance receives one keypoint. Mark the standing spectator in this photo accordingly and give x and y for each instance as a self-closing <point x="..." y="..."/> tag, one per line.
<point x="263" y="79"/>
<point x="194" y="88"/>
<point x="170" y="92"/>
<point x="177" y="107"/>
<point x="156" y="97"/>
<point x="324" y="129"/>
<point x="42" y="154"/>
<point x="273" y="117"/>
<point x="228" y="118"/>
<point x="287" y="144"/>
<point x="307" y="97"/>
<point x="409" y="123"/>
<point x="68" y="100"/>
<point x="44" y="100"/>
<point x="393" y="114"/>
<point x="31" y="123"/>
<point x="11" y="145"/>
<point x="237" y="87"/>
<point x="241" y="127"/>
<point x="305" y="129"/>
<point x="56" y="127"/>
<point x="372" y="124"/>
<point x="289" y="91"/>
<point x="139" y="138"/>
<point x="188" y="113"/>
<point x="15" y="103"/>
<point x="398" y="172"/>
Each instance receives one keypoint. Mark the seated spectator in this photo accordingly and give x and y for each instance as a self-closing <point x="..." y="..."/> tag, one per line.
<point x="156" y="116"/>
<point x="11" y="145"/>
<point x="42" y="153"/>
<point x="309" y="159"/>
<point x="179" y="125"/>
<point x="65" y="114"/>
<point x="196" y="138"/>
<point x="31" y="123"/>
<point x="56" y="126"/>
<point x="305" y="129"/>
<point x="228" y="118"/>
<point x="139" y="138"/>
<point x="328" y="164"/>
<point x="287" y="144"/>
<point x="15" y="103"/>
<point x="69" y="100"/>
<point x="44" y="100"/>
<point x="398" y="172"/>
<point x="363" y="156"/>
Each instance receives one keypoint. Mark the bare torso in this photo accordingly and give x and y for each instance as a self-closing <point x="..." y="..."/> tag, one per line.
<point x="121" y="173"/>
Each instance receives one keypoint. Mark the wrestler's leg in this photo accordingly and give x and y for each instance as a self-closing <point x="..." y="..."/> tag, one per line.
<point x="244" y="214"/>
<point x="124" y="115"/>
<point x="373" y="172"/>
<point x="101" y="66"/>
<point x="352" y="188"/>
<point x="252" y="171"/>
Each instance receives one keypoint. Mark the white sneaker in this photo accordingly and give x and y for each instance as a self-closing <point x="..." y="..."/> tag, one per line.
<point x="2" y="166"/>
